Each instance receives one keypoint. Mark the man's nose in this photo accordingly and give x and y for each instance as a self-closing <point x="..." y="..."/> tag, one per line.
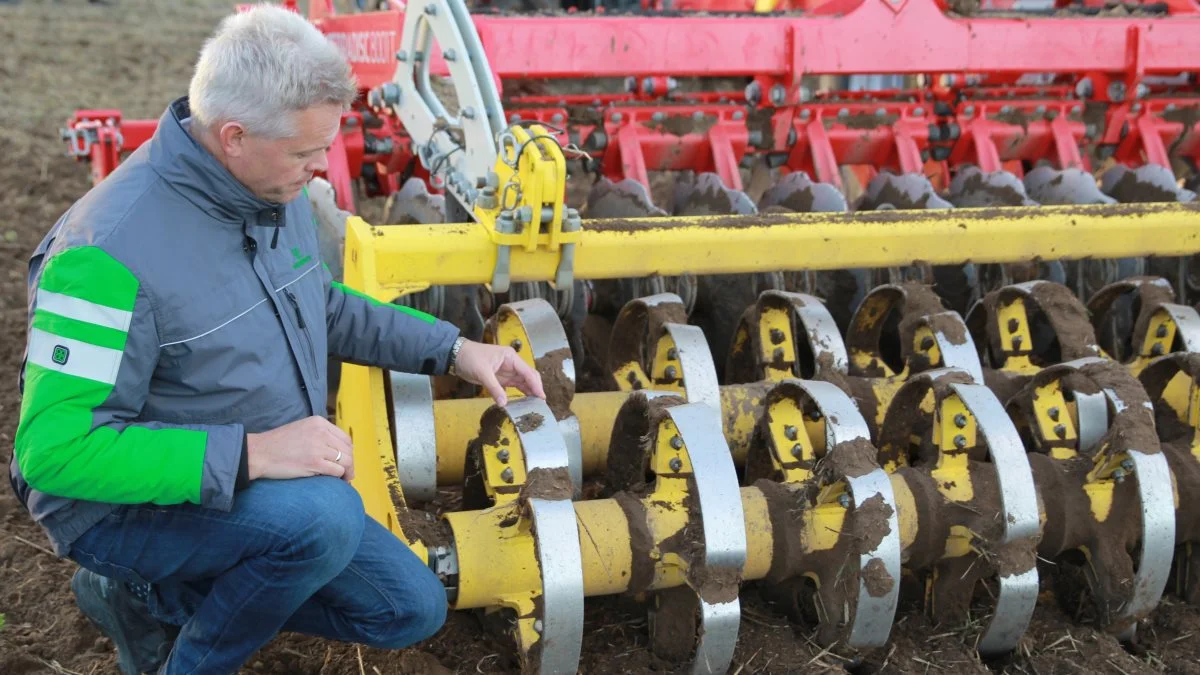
<point x="319" y="164"/>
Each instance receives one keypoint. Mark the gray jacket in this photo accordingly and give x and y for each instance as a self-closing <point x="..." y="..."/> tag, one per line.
<point x="171" y="312"/>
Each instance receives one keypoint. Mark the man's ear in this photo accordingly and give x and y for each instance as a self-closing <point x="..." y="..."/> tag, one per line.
<point x="232" y="136"/>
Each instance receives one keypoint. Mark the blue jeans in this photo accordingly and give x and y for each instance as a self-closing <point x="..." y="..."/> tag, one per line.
<point x="295" y="555"/>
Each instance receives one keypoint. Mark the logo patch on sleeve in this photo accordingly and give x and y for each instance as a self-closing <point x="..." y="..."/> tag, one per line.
<point x="60" y="355"/>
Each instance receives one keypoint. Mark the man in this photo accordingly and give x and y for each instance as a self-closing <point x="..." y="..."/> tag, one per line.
<point x="171" y="439"/>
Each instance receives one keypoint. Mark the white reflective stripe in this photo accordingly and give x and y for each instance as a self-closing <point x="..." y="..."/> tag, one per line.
<point x="213" y="330"/>
<point x="83" y="310"/>
<point x="210" y="331"/>
<point x="74" y="358"/>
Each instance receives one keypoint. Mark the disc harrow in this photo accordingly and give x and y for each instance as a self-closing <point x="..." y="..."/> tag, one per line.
<point x="991" y="449"/>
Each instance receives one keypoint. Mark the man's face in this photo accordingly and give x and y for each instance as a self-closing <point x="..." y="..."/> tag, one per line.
<point x="278" y="169"/>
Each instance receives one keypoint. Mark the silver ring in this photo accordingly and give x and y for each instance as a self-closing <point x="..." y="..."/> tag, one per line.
<point x="338" y="458"/>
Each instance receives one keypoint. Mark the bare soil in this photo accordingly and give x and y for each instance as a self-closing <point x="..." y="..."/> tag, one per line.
<point x="136" y="55"/>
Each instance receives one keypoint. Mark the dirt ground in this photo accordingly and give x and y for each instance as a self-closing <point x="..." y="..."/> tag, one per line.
<point x="136" y="55"/>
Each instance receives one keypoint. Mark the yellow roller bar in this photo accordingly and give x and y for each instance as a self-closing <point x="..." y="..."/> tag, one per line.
<point x="407" y="256"/>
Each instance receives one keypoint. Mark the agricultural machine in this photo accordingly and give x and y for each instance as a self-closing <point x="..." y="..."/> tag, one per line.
<point x="828" y="298"/>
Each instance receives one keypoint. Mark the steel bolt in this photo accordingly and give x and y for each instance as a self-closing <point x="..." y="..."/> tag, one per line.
<point x="927" y="343"/>
<point x="1117" y="90"/>
<point x="738" y="114"/>
<point x="1040" y="110"/>
<point x="1005" y="109"/>
<point x="754" y="93"/>
<point x="676" y="442"/>
<point x="1136" y="108"/>
<point x="918" y="112"/>
<point x="502" y="456"/>
<point x="1119" y="475"/>
<point x="844" y="500"/>
<point x="676" y="464"/>
<point x="805" y="115"/>
<point x="1127" y="464"/>
<point x="698" y="115"/>
<point x="778" y="95"/>
<point x="672" y="353"/>
<point x="1076" y="109"/>
<point x="648" y="86"/>
<point x="1157" y="349"/>
<point x="630" y="86"/>
<point x="507" y="475"/>
<point x="814" y="415"/>
<point x="537" y="625"/>
<point x="1161" y="331"/>
<point x="790" y="432"/>
<point x="777" y="335"/>
<point x="1016" y="342"/>
<point x="557" y="118"/>
<point x="969" y="111"/>
<point x="1142" y="91"/>
<point x="658" y="116"/>
<point x="671" y="372"/>
<point x="514" y="118"/>
<point x="468" y="113"/>
<point x="1083" y="88"/>
<point x="1053" y="414"/>
<point x="431" y="9"/>
<point x="617" y="117"/>
<point x="797" y="450"/>
<point x="1060" y="430"/>
<point x="401" y="55"/>
<point x="516" y="344"/>
<point x="791" y="137"/>
<point x="881" y="112"/>
<point x="960" y="441"/>
<point x="805" y="94"/>
<point x="844" y="112"/>
<point x="777" y="354"/>
<point x="449" y="55"/>
<point x="960" y="420"/>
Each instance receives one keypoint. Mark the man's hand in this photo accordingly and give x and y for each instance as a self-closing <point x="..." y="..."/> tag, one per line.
<point x="494" y="367"/>
<point x="308" y="447"/>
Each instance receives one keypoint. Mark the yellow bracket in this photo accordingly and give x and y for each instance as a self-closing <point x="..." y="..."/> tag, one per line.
<point x="522" y="204"/>
<point x="1013" y="326"/>
<point x="1056" y="420"/>
<point x="954" y="432"/>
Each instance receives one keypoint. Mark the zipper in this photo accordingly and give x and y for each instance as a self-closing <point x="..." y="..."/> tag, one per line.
<point x="303" y="327"/>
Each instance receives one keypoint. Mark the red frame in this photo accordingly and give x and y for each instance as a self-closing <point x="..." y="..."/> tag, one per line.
<point x="841" y="37"/>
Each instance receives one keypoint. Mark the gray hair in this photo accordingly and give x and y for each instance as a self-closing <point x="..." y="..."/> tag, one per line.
<point x="261" y="66"/>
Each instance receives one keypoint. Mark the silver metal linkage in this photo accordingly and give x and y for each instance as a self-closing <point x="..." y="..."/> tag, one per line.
<point x="561" y="563"/>
<point x="723" y="524"/>
<point x="414" y="435"/>
<point x="1019" y="513"/>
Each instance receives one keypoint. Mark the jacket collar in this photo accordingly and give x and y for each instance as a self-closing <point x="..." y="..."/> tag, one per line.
<point x="192" y="170"/>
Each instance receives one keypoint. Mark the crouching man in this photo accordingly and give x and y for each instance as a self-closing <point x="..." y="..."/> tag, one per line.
<point x="171" y="438"/>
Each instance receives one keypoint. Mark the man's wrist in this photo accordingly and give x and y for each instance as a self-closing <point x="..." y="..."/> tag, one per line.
<point x="452" y="360"/>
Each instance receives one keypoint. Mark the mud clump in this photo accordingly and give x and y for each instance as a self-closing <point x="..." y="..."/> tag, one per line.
<point x="871" y="523"/>
<point x="529" y="422"/>
<point x="556" y="382"/>
<point x="628" y="464"/>
<point x="850" y="459"/>
<point x="875" y="578"/>
<point x="551" y="484"/>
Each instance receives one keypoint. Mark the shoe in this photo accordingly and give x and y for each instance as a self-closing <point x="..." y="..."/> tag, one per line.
<point x="124" y="617"/>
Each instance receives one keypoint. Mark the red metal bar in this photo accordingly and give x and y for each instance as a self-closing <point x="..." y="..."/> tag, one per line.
<point x="872" y="37"/>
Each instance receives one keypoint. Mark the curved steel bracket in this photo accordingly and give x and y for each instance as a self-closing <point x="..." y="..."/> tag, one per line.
<point x="414" y="434"/>
<point x="1019" y="512"/>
